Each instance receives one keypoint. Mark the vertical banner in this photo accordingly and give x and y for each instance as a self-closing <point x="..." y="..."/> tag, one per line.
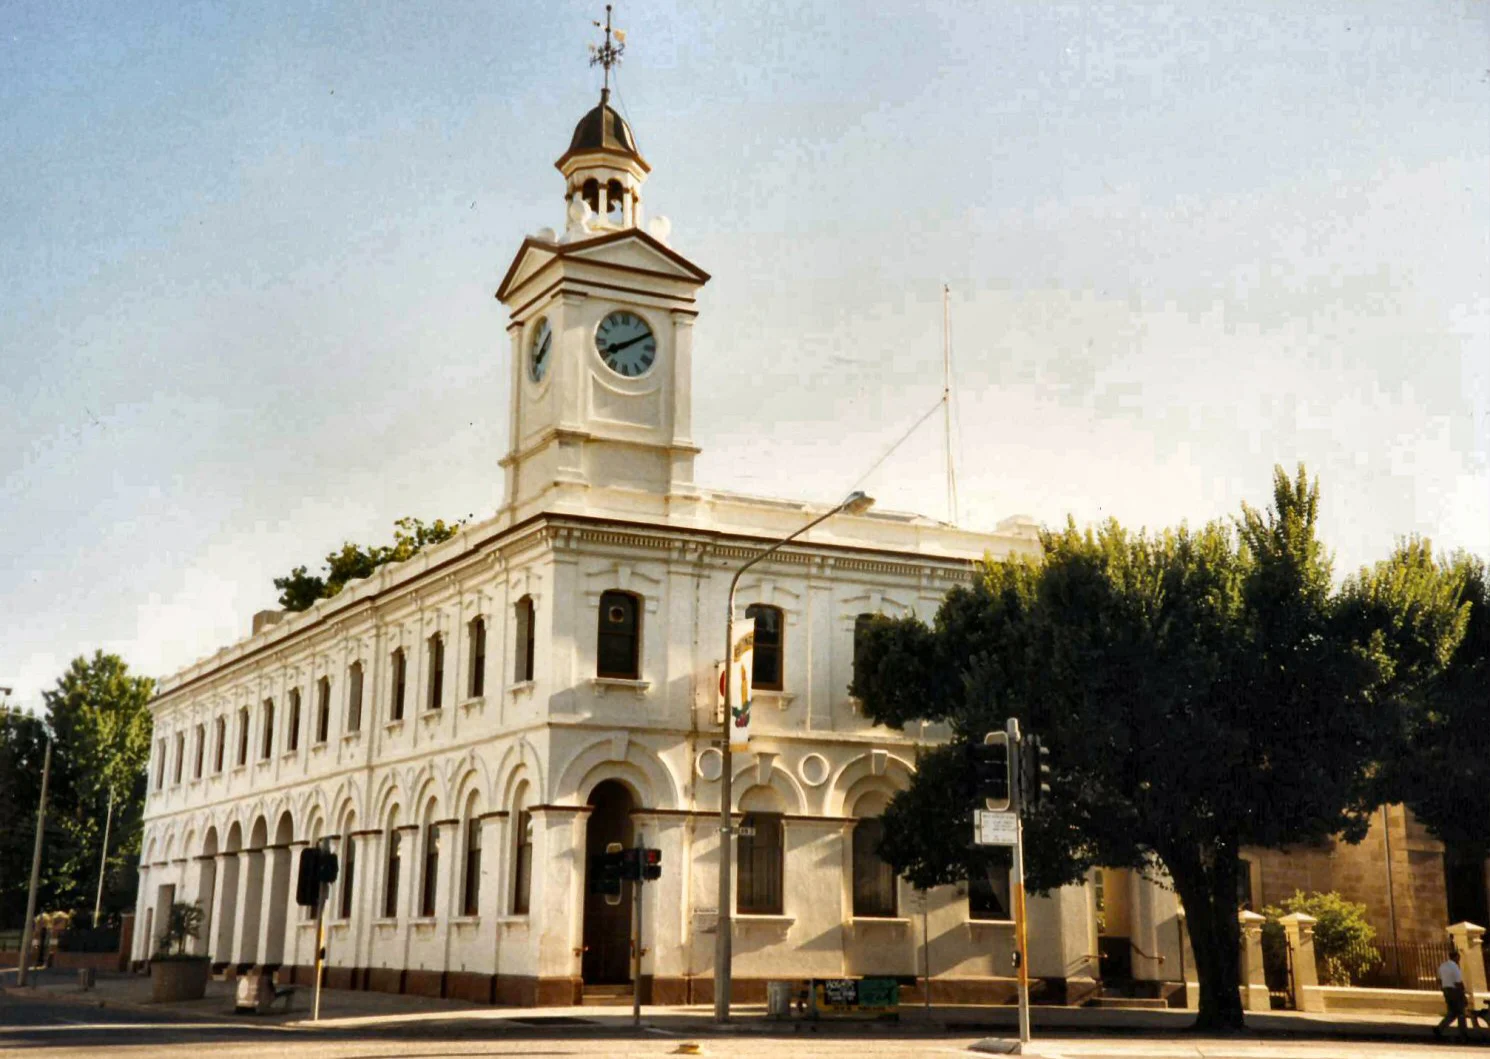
<point x="742" y="661"/>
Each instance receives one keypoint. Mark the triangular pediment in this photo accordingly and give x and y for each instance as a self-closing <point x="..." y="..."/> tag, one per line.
<point x="631" y="250"/>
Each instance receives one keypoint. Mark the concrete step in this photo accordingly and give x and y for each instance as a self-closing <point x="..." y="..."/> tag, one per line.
<point x="1136" y="1002"/>
<point x="601" y="995"/>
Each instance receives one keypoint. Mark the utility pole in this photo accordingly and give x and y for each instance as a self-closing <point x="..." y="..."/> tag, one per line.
<point x="636" y="943"/>
<point x="1021" y="936"/>
<point x="27" y="928"/>
<point x="103" y="858"/>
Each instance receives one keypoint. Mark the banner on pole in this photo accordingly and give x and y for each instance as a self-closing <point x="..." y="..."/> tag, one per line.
<point x="741" y="666"/>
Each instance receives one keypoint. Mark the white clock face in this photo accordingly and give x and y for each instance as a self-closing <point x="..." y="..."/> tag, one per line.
<point x="538" y="351"/>
<point x="626" y="344"/>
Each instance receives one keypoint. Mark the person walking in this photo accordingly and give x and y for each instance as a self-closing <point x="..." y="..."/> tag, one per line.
<point x="1451" y="978"/>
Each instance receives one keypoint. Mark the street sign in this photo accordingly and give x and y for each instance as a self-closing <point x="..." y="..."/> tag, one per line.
<point x="995" y="829"/>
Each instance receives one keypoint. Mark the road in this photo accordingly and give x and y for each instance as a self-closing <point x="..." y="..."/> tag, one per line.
<point x="45" y="1028"/>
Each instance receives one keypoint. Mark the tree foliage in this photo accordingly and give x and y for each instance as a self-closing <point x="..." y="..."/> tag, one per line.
<point x="23" y="740"/>
<point x="299" y="590"/>
<point x="1342" y="936"/>
<point x="1200" y="690"/>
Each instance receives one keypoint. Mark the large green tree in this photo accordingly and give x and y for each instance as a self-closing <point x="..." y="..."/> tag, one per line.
<point x="1200" y="690"/>
<point x="299" y="589"/>
<point x="100" y="723"/>
<point x="23" y="740"/>
<point x="1439" y="764"/>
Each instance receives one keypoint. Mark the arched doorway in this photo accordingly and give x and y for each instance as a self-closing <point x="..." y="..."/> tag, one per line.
<point x="607" y="929"/>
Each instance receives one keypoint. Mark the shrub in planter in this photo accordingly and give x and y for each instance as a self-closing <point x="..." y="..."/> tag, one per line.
<point x="174" y="973"/>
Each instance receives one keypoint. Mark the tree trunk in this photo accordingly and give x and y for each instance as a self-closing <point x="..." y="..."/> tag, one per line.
<point x="1206" y="882"/>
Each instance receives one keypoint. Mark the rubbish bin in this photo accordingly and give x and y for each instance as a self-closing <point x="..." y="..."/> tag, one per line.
<point x="85" y="978"/>
<point x="778" y="1000"/>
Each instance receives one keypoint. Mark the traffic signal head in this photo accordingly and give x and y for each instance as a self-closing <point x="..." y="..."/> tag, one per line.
<point x="651" y="864"/>
<point x="989" y="763"/>
<point x="328" y="867"/>
<point x="1034" y="771"/>
<point x="308" y="878"/>
<point x="605" y="874"/>
<point x="631" y="864"/>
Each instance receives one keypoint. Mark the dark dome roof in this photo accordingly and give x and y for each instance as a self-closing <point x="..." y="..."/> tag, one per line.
<point x="602" y="129"/>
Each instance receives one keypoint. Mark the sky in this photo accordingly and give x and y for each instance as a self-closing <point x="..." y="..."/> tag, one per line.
<point x="248" y="252"/>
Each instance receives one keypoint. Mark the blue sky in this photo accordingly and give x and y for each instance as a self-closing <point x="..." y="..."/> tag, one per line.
<point x="247" y="256"/>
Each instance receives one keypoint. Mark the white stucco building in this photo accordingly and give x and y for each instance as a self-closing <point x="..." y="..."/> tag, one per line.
<point x="468" y="726"/>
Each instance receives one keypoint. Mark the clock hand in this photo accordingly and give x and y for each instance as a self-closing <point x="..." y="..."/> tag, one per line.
<point x="616" y="347"/>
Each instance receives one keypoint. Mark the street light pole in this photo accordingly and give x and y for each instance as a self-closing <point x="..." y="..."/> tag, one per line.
<point x="27" y="928"/>
<point x="856" y="503"/>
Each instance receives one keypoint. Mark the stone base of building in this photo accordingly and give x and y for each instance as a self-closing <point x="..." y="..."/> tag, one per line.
<point x="507" y="989"/>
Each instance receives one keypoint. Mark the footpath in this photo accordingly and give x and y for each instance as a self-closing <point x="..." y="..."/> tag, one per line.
<point x="350" y="1010"/>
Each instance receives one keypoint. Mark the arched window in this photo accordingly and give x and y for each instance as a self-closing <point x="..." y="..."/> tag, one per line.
<point x="591" y="194"/>
<point x="523" y="647"/>
<point x="522" y="856"/>
<point x="391" y="868"/>
<point x="354" y="698"/>
<point x="323" y="709"/>
<point x="436" y="672"/>
<point x="348" y="865"/>
<point x="618" y="652"/>
<point x="292" y="736"/>
<point x="196" y="771"/>
<point x="761" y="852"/>
<point x="160" y="764"/>
<point x="615" y="202"/>
<point x="180" y="757"/>
<point x="267" y="748"/>
<point x="476" y="682"/>
<point x="242" y="735"/>
<point x="219" y="742"/>
<point x="470" y="889"/>
<point x="766" y="669"/>
<point x="430" y="877"/>
<point x="875" y="889"/>
<point x="400" y="685"/>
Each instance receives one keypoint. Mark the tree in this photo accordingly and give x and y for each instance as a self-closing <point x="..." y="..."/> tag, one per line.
<point x="101" y="726"/>
<point x="23" y="741"/>
<point x="183" y="923"/>
<point x="299" y="590"/>
<point x="1439" y="764"/>
<point x="1199" y="690"/>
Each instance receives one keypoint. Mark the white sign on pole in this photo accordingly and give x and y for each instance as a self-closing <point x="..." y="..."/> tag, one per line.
<point x="995" y="829"/>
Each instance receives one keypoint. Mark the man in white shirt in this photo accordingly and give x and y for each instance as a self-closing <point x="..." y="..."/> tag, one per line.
<point x="1451" y="978"/>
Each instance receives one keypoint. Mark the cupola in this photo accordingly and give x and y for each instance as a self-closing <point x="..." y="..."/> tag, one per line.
<point x="603" y="173"/>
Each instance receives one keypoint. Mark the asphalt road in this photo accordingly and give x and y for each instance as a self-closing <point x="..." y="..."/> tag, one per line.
<point x="45" y="1028"/>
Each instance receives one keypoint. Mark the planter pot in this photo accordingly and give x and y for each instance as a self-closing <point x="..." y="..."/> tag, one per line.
<point x="178" y="979"/>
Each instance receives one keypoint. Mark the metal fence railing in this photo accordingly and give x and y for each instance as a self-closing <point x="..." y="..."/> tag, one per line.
<point x="1406" y="966"/>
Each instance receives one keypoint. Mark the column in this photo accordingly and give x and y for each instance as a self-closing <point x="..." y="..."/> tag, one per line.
<point x="1298" y="929"/>
<point x="273" y="904"/>
<point x="1059" y="937"/>
<point x="204" y="895"/>
<point x="556" y="907"/>
<point x="250" y="892"/>
<point x="1468" y="939"/>
<point x="1254" y="984"/>
<point x="224" y="908"/>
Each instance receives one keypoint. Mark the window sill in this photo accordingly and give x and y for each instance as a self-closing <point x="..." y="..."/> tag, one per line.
<point x="239" y="769"/>
<point x="763" y="919"/>
<point x="319" y="748"/>
<point x="605" y="684"/>
<point x="424" y="924"/>
<point x="990" y="922"/>
<point x="429" y="717"/>
<point x="522" y="687"/>
<point x="264" y="762"/>
<point x="289" y="754"/>
<point x="394" y="727"/>
<point x="352" y="736"/>
<point x="475" y="702"/>
<point x="780" y="699"/>
<point x="514" y="918"/>
<point x="465" y="921"/>
<point x="889" y="921"/>
<point x="384" y="923"/>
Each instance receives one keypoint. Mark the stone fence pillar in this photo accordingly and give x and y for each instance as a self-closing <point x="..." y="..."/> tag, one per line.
<point x="1468" y="939"/>
<point x="1298" y="929"/>
<point x="1254" y="984"/>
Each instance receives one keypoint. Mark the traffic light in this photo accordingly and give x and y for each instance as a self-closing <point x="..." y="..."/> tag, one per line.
<point x="631" y="864"/>
<point x="651" y="864"/>
<point x="990" y="767"/>
<point x="1034" y="771"/>
<point x="328" y="867"/>
<point x="308" y="881"/>
<point x="605" y="874"/>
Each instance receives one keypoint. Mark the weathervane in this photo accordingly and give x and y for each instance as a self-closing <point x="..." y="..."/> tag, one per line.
<point x="608" y="54"/>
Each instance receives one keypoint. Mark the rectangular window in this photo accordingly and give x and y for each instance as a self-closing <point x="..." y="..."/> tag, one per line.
<point x="390" y="881"/>
<point x="522" y="863"/>
<point x="477" y="685"/>
<point x="219" y="743"/>
<point x="400" y="682"/>
<point x="618" y="638"/>
<point x="243" y="736"/>
<point x="268" y="745"/>
<point x="180" y="757"/>
<point x="354" y="699"/>
<point x="874" y="879"/>
<point x="523" y="653"/>
<point x="431" y="870"/>
<point x="760" y="875"/>
<point x="348" y="867"/>
<point x="861" y="626"/>
<point x="196" y="772"/>
<point x="292" y="737"/>
<point x="471" y="881"/>
<point x="323" y="709"/>
<point x="436" y="672"/>
<point x="988" y="890"/>
<point x="766" y="667"/>
<point x="160" y="764"/>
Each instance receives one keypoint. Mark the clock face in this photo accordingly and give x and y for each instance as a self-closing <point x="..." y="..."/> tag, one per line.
<point x="626" y="344"/>
<point x="538" y="352"/>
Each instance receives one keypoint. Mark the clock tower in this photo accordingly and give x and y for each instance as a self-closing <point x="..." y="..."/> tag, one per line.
<point x="601" y="328"/>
